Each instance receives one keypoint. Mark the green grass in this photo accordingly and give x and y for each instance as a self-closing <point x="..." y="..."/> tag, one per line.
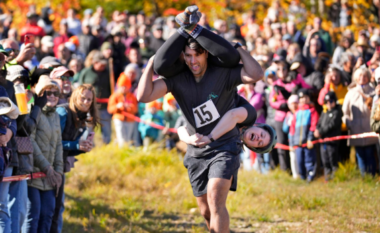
<point x="128" y="190"/>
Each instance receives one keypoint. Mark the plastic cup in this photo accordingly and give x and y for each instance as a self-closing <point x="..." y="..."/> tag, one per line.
<point x="21" y="98"/>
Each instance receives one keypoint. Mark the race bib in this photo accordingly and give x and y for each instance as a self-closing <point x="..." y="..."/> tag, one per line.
<point x="205" y="114"/>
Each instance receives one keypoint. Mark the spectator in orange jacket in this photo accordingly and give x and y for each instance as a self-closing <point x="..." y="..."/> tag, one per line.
<point x="120" y="103"/>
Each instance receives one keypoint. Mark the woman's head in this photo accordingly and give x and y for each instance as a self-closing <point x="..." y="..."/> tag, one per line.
<point x="83" y="100"/>
<point x="52" y="89"/>
<point x="260" y="138"/>
<point x="256" y="137"/>
<point x="362" y="76"/>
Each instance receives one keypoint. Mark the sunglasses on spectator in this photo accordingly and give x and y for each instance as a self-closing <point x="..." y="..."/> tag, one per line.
<point x="329" y="101"/>
<point x="9" y="50"/>
<point x="55" y="93"/>
<point x="64" y="78"/>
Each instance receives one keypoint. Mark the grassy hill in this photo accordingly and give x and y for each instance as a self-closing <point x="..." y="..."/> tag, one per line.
<point x="128" y="190"/>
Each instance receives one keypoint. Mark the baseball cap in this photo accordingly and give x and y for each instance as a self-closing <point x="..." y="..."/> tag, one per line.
<point x="59" y="71"/>
<point x="50" y="60"/>
<point x="15" y="72"/>
<point x="330" y="97"/>
<point x="303" y="92"/>
<point x="98" y="57"/>
<point x="4" y="51"/>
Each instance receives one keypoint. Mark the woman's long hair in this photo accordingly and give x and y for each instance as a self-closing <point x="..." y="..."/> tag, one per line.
<point x="94" y="119"/>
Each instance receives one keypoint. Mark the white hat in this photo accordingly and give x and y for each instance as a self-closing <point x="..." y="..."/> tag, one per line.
<point x="43" y="82"/>
<point x="48" y="41"/>
<point x="70" y="46"/>
<point x="11" y="110"/>
<point x="375" y="38"/>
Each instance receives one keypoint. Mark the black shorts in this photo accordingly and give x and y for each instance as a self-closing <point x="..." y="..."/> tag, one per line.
<point x="221" y="164"/>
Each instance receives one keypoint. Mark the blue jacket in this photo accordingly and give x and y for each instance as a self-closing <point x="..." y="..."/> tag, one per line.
<point x="147" y="130"/>
<point x="303" y="125"/>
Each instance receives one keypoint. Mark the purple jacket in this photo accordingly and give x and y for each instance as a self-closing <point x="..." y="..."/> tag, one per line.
<point x="257" y="100"/>
<point x="276" y="100"/>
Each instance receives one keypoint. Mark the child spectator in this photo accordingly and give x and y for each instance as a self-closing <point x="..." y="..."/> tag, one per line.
<point x="149" y="133"/>
<point x="329" y="125"/>
<point x="121" y="102"/>
<point x="293" y="106"/>
<point x="301" y="131"/>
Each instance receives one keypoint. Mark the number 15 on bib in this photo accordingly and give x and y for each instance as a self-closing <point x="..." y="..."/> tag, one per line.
<point x="205" y="114"/>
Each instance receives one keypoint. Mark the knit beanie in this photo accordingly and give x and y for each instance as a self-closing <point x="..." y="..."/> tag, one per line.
<point x="293" y="99"/>
<point x="124" y="81"/>
<point x="105" y="45"/>
<point x="15" y="72"/>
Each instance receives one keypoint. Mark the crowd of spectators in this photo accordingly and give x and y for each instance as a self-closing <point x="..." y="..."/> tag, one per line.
<point x="84" y="75"/>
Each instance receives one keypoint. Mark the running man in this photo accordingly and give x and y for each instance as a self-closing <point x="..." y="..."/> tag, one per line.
<point x="205" y="92"/>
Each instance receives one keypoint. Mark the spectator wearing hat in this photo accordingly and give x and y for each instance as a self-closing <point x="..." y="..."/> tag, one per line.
<point x="5" y="140"/>
<point x="293" y="106"/>
<point x="363" y="51"/>
<point x="156" y="40"/>
<point x="87" y="41"/>
<point x="123" y="101"/>
<point x="356" y="115"/>
<point x="282" y="88"/>
<point x="73" y="23"/>
<point x="48" y="158"/>
<point x="329" y="125"/>
<point x="15" y="56"/>
<point x="49" y="62"/>
<point x="98" y="76"/>
<point x="31" y="27"/>
<point x="17" y="194"/>
<point x="63" y="77"/>
<point x="301" y="131"/>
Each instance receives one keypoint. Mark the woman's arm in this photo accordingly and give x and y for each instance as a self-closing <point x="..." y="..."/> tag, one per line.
<point x="229" y="121"/>
<point x="186" y="138"/>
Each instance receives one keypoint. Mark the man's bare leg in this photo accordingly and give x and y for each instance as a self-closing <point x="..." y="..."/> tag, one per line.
<point x="205" y="210"/>
<point x="217" y="192"/>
